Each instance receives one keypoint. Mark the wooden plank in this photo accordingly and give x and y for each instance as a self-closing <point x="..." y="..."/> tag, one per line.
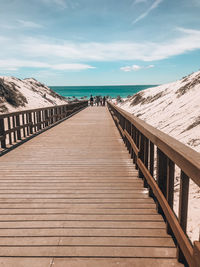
<point x="87" y="241"/>
<point x="125" y="262"/>
<point x="83" y="224"/>
<point x="81" y="217"/>
<point x="65" y="251"/>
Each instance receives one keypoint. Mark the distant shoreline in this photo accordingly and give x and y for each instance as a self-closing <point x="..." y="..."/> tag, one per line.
<point x="111" y="90"/>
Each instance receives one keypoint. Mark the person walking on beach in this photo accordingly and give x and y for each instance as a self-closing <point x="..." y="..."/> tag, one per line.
<point x="104" y="101"/>
<point x="91" y="100"/>
<point x="101" y="101"/>
<point x="97" y="100"/>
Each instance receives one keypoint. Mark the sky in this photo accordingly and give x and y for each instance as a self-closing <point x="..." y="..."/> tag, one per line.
<point x="99" y="42"/>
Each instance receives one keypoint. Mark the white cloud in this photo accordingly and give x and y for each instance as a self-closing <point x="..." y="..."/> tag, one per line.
<point x="59" y="51"/>
<point x="150" y="67"/>
<point x="147" y="51"/>
<point x="28" y="24"/>
<point x="135" y="68"/>
<point x="72" y="67"/>
<point x="21" y="24"/>
<point x="62" y="3"/>
<point x="139" y="1"/>
<point x="15" y="64"/>
<point x="126" y="69"/>
<point x="143" y="15"/>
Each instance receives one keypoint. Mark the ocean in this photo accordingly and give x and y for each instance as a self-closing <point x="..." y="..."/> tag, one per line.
<point x="111" y="90"/>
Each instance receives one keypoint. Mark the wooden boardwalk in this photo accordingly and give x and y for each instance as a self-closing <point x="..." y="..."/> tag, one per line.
<point x="71" y="197"/>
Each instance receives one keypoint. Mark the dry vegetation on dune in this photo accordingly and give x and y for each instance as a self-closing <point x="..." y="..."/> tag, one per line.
<point x="17" y="94"/>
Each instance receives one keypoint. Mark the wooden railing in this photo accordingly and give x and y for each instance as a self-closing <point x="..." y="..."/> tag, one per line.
<point x="142" y="141"/>
<point x="18" y="126"/>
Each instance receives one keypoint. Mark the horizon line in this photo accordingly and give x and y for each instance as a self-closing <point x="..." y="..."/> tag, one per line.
<point x="103" y="85"/>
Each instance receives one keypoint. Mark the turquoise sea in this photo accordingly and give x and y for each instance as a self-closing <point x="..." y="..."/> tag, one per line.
<point x="111" y="90"/>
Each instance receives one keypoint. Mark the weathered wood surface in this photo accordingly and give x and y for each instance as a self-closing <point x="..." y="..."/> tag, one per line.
<point x="71" y="197"/>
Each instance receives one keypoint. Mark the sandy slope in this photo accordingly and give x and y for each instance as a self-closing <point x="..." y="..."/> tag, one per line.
<point x="16" y="95"/>
<point x="174" y="108"/>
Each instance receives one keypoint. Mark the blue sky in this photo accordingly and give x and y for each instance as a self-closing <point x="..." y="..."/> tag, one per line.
<point x="99" y="42"/>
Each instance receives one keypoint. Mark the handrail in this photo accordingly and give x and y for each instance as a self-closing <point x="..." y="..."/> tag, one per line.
<point x="19" y="125"/>
<point x="141" y="140"/>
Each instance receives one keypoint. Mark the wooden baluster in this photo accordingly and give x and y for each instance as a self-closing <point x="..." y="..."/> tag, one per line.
<point x="133" y="137"/>
<point x="2" y="133"/>
<point x="52" y="114"/>
<point x="14" y="132"/>
<point x="43" y="118"/>
<point x="56" y="112"/>
<point x="9" y="128"/>
<point x="141" y="152"/>
<point x="18" y="125"/>
<point x="131" y="134"/>
<point x="60" y="113"/>
<point x="65" y="111"/>
<point x="183" y="209"/>
<point x="27" y="122"/>
<point x="125" y="126"/>
<point x="38" y="120"/>
<point x="161" y="175"/>
<point x="31" y="122"/>
<point x="146" y="158"/>
<point x="137" y="144"/>
<point x="151" y="165"/>
<point x="46" y="117"/>
<point x="170" y="188"/>
<point x="23" y="123"/>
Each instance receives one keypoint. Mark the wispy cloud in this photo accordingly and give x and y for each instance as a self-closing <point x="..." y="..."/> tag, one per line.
<point x="188" y="40"/>
<point x="139" y="1"/>
<point x="152" y="7"/>
<point x="15" y="64"/>
<point x="63" y="55"/>
<point x="135" y="68"/>
<point x="63" y="3"/>
<point x="19" y="23"/>
<point x="28" y="24"/>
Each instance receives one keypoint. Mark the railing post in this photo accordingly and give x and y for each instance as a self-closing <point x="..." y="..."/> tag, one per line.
<point x="65" y="111"/>
<point x="34" y="121"/>
<point x="2" y="133"/>
<point x="56" y="114"/>
<point x="141" y="153"/>
<point x="31" y="122"/>
<point x="196" y="254"/>
<point x="46" y="117"/>
<point x="151" y="166"/>
<point x="133" y="135"/>
<point x="52" y="118"/>
<point x="23" y="123"/>
<point x="146" y="158"/>
<point x="161" y="175"/>
<point x="137" y="144"/>
<point x="170" y="188"/>
<point x="18" y="125"/>
<point x="183" y="209"/>
<point x="14" y="125"/>
<point x="9" y="127"/>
